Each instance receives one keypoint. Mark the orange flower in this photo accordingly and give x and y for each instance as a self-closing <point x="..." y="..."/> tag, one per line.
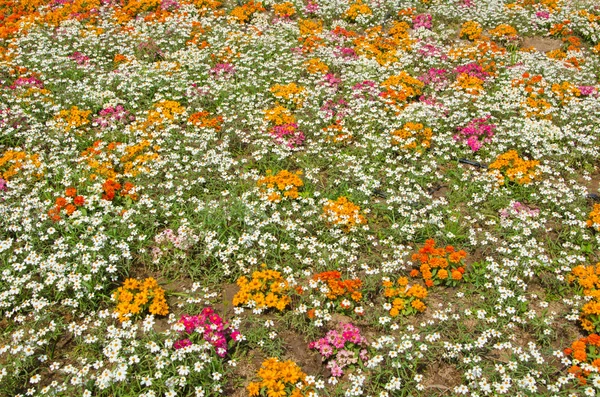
<point x="69" y="209"/>
<point x="456" y="275"/>
<point x="580" y="355"/>
<point x="79" y="201"/>
<point x="71" y="192"/>
<point x="61" y="202"/>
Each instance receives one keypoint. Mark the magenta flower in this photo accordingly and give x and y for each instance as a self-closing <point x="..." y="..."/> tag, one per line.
<point x="288" y="134"/>
<point x="212" y="327"/>
<point x="476" y="133"/>
<point x="180" y="344"/>
<point x="472" y="69"/>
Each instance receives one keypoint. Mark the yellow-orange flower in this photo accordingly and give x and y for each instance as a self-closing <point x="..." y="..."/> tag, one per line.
<point x="344" y="213"/>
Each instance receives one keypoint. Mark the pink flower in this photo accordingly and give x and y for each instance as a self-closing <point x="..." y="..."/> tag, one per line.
<point x="311" y="7"/>
<point x="80" y="58"/>
<point x="542" y="14"/>
<point x="288" y="134"/>
<point x="335" y="369"/>
<point x="422" y="21"/>
<point x="473" y="69"/>
<point x="223" y="70"/>
<point x="586" y="90"/>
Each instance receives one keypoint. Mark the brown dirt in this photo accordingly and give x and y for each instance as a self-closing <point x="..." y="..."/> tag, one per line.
<point x="225" y="307"/>
<point x="541" y="44"/>
<point x="441" y="376"/>
<point x="297" y="350"/>
<point x="245" y="369"/>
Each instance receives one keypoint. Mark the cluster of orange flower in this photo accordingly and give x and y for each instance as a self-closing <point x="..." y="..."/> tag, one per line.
<point x="161" y="112"/>
<point x="69" y="203"/>
<point x="338" y="133"/>
<point x="72" y="118"/>
<point x="588" y="280"/>
<point x="204" y="120"/>
<point x="357" y="9"/>
<point x="103" y="158"/>
<point x="470" y="84"/>
<point x="134" y="297"/>
<point x="340" y="289"/>
<point x="279" y="115"/>
<point x="12" y="161"/>
<point x="439" y="265"/>
<point x="110" y="187"/>
<point x="504" y="31"/>
<point x="400" y="88"/>
<point x="315" y="65"/>
<point x="471" y="30"/>
<point x="344" y="213"/>
<point x="244" y="12"/>
<point x="284" y="10"/>
<point x="565" y="91"/>
<point x="279" y="379"/>
<point x="594" y="220"/>
<point x="291" y="92"/>
<point x="402" y="298"/>
<point x="266" y="289"/>
<point x="536" y="104"/>
<point x="509" y="167"/>
<point x="284" y="182"/>
<point x="309" y="30"/>
<point x="382" y="46"/>
<point x="413" y="136"/>
<point x="585" y="350"/>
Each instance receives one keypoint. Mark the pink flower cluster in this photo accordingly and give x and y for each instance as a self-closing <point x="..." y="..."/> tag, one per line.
<point x="367" y="89"/>
<point x="472" y="69"/>
<point x="166" y="240"/>
<point x="335" y="109"/>
<point x="543" y="14"/>
<point x="311" y="7"/>
<point x="342" y="349"/>
<point x="169" y="5"/>
<point x="222" y="70"/>
<point x="436" y="78"/>
<point x="347" y="52"/>
<point x="288" y="134"/>
<point x="422" y="21"/>
<point x="27" y="82"/>
<point x="429" y="50"/>
<point x="587" y="90"/>
<point x="519" y="210"/>
<point x="113" y="114"/>
<point x="80" y="58"/>
<point x="212" y="327"/>
<point x="476" y="133"/>
<point x="332" y="80"/>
